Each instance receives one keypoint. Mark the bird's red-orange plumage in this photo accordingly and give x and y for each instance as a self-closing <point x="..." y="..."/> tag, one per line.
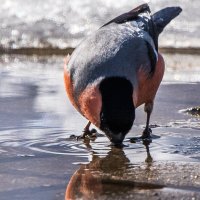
<point x="90" y="104"/>
<point x="147" y="87"/>
<point x="68" y="83"/>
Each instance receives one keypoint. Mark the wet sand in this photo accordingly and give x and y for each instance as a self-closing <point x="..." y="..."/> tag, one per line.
<point x="39" y="161"/>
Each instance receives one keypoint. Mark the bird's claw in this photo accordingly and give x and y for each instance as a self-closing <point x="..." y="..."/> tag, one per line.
<point x="87" y="134"/>
<point x="146" y="137"/>
<point x="146" y="134"/>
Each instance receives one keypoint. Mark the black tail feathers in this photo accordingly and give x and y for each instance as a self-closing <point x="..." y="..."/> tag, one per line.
<point x="164" y="16"/>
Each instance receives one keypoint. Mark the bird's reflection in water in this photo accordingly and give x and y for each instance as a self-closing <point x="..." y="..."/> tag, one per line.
<point x="149" y="158"/>
<point x="104" y="176"/>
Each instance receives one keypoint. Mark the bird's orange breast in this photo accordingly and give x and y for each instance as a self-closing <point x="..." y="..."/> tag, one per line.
<point x="147" y="86"/>
<point x="90" y="104"/>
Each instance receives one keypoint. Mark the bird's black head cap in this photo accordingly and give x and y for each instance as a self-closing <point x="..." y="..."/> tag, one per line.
<point x="118" y="111"/>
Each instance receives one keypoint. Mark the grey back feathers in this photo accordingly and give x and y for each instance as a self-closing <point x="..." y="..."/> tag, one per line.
<point x="113" y="51"/>
<point x="119" y="48"/>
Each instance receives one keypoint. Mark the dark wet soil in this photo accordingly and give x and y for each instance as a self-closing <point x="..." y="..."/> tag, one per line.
<point x="39" y="161"/>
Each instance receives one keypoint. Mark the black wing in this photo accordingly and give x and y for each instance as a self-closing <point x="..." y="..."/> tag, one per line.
<point x="129" y="16"/>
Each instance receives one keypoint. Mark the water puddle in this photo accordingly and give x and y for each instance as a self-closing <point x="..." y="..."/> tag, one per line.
<point x="168" y="146"/>
<point x="132" y="172"/>
<point x="37" y="120"/>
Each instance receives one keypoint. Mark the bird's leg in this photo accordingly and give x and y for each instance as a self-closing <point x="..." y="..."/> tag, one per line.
<point x="147" y="131"/>
<point x="87" y="132"/>
<point x="146" y="135"/>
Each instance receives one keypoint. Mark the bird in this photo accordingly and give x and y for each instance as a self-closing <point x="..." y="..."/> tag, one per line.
<point x="116" y="69"/>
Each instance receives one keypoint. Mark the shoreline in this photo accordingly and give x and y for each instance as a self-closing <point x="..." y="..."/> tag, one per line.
<point x="58" y="51"/>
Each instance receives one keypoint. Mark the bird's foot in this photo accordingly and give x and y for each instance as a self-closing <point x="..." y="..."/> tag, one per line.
<point x="146" y="134"/>
<point x="146" y="137"/>
<point x="88" y="134"/>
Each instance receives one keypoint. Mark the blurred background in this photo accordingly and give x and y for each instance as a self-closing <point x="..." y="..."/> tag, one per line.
<point x="63" y="23"/>
<point x="36" y="118"/>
